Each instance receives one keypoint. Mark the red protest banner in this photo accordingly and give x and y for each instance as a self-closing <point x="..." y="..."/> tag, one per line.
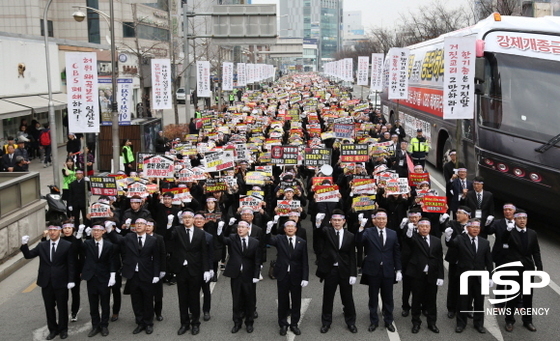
<point x="433" y="204"/>
<point x="414" y="179"/>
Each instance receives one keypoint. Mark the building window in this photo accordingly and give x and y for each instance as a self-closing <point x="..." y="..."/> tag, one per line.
<point x="128" y="30"/>
<point x="49" y="28"/>
<point x="152" y="33"/>
<point x="94" y="33"/>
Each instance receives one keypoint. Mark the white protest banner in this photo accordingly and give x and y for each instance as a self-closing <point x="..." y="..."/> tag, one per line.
<point x="327" y="193"/>
<point x="241" y="152"/>
<point x="161" y="84"/>
<point x="284" y="207"/>
<point x="241" y="74"/>
<point x="137" y="188"/>
<point x="376" y="72"/>
<point x="251" y="202"/>
<point x="363" y="186"/>
<point x="398" y="73"/>
<point x="255" y="178"/>
<point x="266" y="169"/>
<point x="83" y="93"/>
<point x="159" y="166"/>
<point x="219" y="161"/>
<point x="458" y="81"/>
<point x="99" y="210"/>
<point x="349" y="69"/>
<point x="227" y="76"/>
<point x="203" y="79"/>
<point x="363" y="68"/>
<point x="124" y="98"/>
<point x="404" y="188"/>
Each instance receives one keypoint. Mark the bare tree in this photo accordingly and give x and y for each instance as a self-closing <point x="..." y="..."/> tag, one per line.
<point x="484" y="8"/>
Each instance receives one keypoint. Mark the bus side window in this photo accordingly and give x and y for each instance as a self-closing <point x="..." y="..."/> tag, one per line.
<point x="491" y="100"/>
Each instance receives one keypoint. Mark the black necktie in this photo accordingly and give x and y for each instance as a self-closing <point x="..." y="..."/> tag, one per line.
<point x="426" y="241"/>
<point x="464" y="184"/>
<point x="338" y="238"/>
<point x="139" y="243"/>
<point x="473" y="245"/>
<point x="53" y="251"/>
<point x="524" y="239"/>
<point x="97" y="248"/>
<point x="479" y="199"/>
<point x="188" y="236"/>
<point x="243" y="245"/>
<point x="381" y="237"/>
<point x="291" y="245"/>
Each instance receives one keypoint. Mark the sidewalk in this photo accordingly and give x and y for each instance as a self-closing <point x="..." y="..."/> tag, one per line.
<point x="46" y="174"/>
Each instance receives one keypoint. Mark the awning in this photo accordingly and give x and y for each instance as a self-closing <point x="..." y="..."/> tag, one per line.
<point x="37" y="103"/>
<point x="62" y="98"/>
<point x="11" y="110"/>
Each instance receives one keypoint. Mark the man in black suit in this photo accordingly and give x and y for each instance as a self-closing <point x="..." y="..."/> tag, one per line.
<point x="9" y="159"/>
<point x="337" y="267"/>
<point x="458" y="189"/>
<point x="524" y="247"/>
<point x="426" y="270"/>
<point x="158" y="287"/>
<point x="381" y="267"/>
<point x="77" y="198"/>
<point x="141" y="268"/>
<point x="189" y="260"/>
<point x="450" y="172"/>
<point x="481" y="203"/>
<point x="56" y="271"/>
<point x="291" y="271"/>
<point x="473" y="254"/>
<point x="243" y="268"/>
<point x="99" y="271"/>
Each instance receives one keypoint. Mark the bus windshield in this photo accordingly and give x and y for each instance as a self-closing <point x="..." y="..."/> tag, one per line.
<point x="522" y="96"/>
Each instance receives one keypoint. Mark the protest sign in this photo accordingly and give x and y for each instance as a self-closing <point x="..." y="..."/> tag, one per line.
<point x="317" y="157"/>
<point x="433" y="204"/>
<point x="251" y="202"/>
<point x="159" y="166"/>
<point x="327" y="193"/>
<point x="103" y="185"/>
<point x="363" y="186"/>
<point x="354" y="153"/>
<point x="363" y="203"/>
<point x="284" y="155"/>
<point x="284" y="207"/>
<point x="414" y="179"/>
<point x="137" y="188"/>
<point x="219" y="161"/>
<point x="342" y="131"/>
<point x="215" y="185"/>
<point x="99" y="210"/>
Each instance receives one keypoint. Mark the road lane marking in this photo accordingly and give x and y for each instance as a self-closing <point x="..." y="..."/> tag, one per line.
<point x="29" y="288"/>
<point x="290" y="336"/>
<point x="392" y="336"/>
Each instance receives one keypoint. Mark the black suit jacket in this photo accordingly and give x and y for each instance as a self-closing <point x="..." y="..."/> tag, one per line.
<point x="530" y="256"/>
<point x="100" y="267"/>
<point x="6" y="163"/>
<point x="487" y="206"/>
<point x="60" y="271"/>
<point x="297" y="259"/>
<point x="195" y="253"/>
<point x="457" y="189"/>
<point x="389" y="254"/>
<point x="467" y="260"/>
<point x="422" y="255"/>
<point x="331" y="254"/>
<point x="498" y="229"/>
<point x="147" y="259"/>
<point x="452" y="254"/>
<point x="250" y="259"/>
<point x="77" y="194"/>
<point x="162" y="252"/>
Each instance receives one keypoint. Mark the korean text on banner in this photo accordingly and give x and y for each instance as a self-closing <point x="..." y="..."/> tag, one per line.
<point x="227" y="76"/>
<point x="458" y="80"/>
<point x="161" y="84"/>
<point x="203" y="79"/>
<point x="241" y="74"/>
<point x="83" y="93"/>
<point x="124" y="98"/>
<point x="363" y="68"/>
<point x="398" y="73"/>
<point x="376" y="72"/>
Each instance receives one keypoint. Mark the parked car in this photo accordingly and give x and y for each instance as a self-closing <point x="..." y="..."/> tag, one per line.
<point x="181" y="98"/>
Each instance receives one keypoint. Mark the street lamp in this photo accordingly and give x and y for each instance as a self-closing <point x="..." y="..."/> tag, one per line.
<point x="80" y="16"/>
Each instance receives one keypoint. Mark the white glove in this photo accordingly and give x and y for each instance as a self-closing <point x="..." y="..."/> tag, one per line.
<point x="88" y="231"/>
<point x="108" y="227"/>
<point x="443" y="218"/>
<point x="510" y="226"/>
<point x="232" y="221"/>
<point x="220" y="228"/>
<point x="170" y="219"/>
<point x="448" y="233"/>
<point x="112" y="280"/>
<point x="352" y="280"/>
<point x="269" y="227"/>
<point x="276" y="217"/>
<point x="212" y="273"/>
<point x="304" y="284"/>
<point x="179" y="214"/>
<point x="398" y="276"/>
<point x="127" y="222"/>
<point x="439" y="282"/>
<point x="81" y="228"/>
<point x="410" y="230"/>
<point x="71" y="285"/>
<point x="255" y="280"/>
<point x="161" y="274"/>
<point x="207" y="276"/>
<point x="505" y="246"/>
<point x="319" y="219"/>
<point x="24" y="240"/>
<point x="360" y="216"/>
<point x="489" y="220"/>
<point x="155" y="280"/>
<point x="117" y="229"/>
<point x="70" y="208"/>
<point x="86" y="178"/>
<point x="363" y="222"/>
<point x="490" y="283"/>
<point x="404" y="222"/>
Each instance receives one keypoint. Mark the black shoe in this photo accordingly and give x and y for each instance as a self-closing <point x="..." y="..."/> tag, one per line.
<point x="159" y="318"/>
<point x="283" y="330"/>
<point x="509" y="327"/>
<point x="459" y="329"/>
<point x="93" y="332"/>
<point x="114" y="317"/>
<point x="64" y="335"/>
<point x="415" y="329"/>
<point x="372" y="327"/>
<point x="138" y="329"/>
<point x="74" y="318"/>
<point x="250" y="329"/>
<point x="104" y="331"/>
<point x="325" y="329"/>
<point x="183" y="329"/>
<point x="52" y="335"/>
<point x="235" y="328"/>
<point x="390" y="327"/>
<point x="405" y="312"/>
<point x="214" y="278"/>
<point x="255" y="315"/>
<point x="353" y="328"/>
<point x="529" y="326"/>
<point x="195" y="330"/>
<point x="206" y="316"/>
<point x="295" y="330"/>
<point x="470" y="315"/>
<point x="434" y="328"/>
<point x="480" y="329"/>
<point x="149" y="329"/>
<point x="451" y="314"/>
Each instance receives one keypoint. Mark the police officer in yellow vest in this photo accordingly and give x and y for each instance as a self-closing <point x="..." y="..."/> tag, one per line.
<point x="231" y="97"/>
<point x="197" y="113"/>
<point x="128" y="156"/>
<point x="419" y="148"/>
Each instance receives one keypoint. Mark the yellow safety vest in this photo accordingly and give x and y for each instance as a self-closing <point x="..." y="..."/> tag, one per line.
<point x="128" y="154"/>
